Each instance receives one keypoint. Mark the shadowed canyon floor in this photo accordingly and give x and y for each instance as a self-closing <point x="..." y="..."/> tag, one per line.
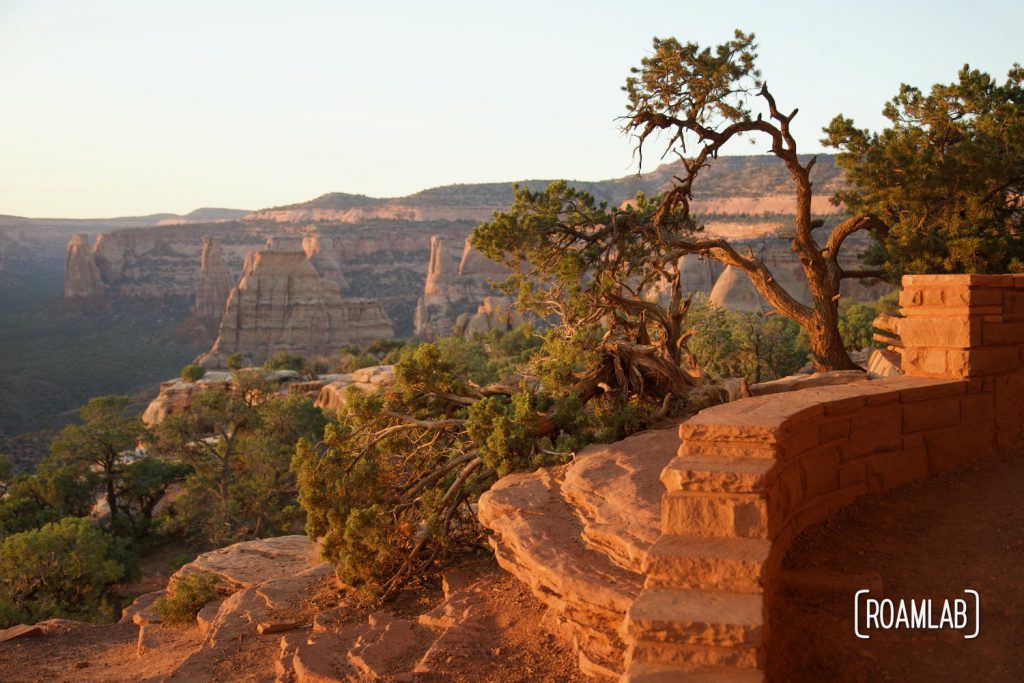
<point x="932" y="538"/>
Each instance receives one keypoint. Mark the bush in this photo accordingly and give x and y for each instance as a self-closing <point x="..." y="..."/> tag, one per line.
<point x="63" y="569"/>
<point x="381" y="347"/>
<point x="186" y="597"/>
<point x="52" y="493"/>
<point x="235" y="361"/>
<point x="192" y="373"/>
<point x="729" y="343"/>
<point x="284" y="361"/>
<point x="351" y="363"/>
<point x="312" y="367"/>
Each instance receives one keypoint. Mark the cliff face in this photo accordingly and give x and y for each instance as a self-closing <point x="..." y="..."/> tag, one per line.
<point x="452" y="289"/>
<point x="282" y="304"/>
<point x="386" y="262"/>
<point x="81" y="276"/>
<point x="698" y="275"/>
<point x="323" y="254"/>
<point x="214" y="282"/>
<point x="381" y="248"/>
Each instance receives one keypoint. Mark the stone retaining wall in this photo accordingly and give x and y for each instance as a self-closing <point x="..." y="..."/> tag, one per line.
<point x="751" y="475"/>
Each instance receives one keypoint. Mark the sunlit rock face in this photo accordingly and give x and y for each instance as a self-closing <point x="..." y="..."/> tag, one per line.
<point x="453" y="289"/>
<point x="81" y="276"/>
<point x="323" y="254"/>
<point x="214" y="282"/>
<point x="282" y="304"/>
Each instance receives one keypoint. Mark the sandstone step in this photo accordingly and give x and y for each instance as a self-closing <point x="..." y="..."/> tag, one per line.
<point x="700" y="513"/>
<point x="688" y="656"/>
<point x="388" y="647"/>
<point x="321" y="658"/>
<point x="665" y="615"/>
<point x="616" y="491"/>
<point x="694" y="562"/>
<point x="721" y="473"/>
<point x="537" y="537"/>
<point x="655" y="673"/>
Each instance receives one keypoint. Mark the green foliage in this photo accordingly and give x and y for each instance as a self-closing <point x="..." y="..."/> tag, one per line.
<point x="63" y="569"/>
<point x="105" y="441"/>
<point x="143" y="483"/>
<point x="192" y="373"/>
<point x="855" y="320"/>
<point x="350" y="362"/>
<point x="387" y="491"/>
<point x="6" y="469"/>
<point x="728" y="343"/>
<point x="311" y="367"/>
<point x="491" y="357"/>
<point x="53" y="492"/>
<point x="946" y="176"/>
<point x="238" y="448"/>
<point x="683" y="80"/>
<point x="236" y="361"/>
<point x="282" y="360"/>
<point x="382" y="347"/>
<point x="186" y="597"/>
<point x="502" y="429"/>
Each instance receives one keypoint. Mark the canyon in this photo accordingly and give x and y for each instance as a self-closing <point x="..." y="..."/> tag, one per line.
<point x="156" y="287"/>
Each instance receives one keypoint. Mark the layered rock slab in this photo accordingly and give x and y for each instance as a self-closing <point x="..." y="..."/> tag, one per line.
<point x="616" y="492"/>
<point x="577" y="535"/>
<point x="247" y="564"/>
<point x="282" y="304"/>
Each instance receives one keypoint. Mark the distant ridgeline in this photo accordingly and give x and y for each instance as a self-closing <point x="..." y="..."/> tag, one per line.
<point x="410" y="253"/>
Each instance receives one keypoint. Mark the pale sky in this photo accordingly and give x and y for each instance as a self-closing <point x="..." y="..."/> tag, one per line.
<point x="136" y="107"/>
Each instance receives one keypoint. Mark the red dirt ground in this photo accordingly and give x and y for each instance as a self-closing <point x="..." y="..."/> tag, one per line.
<point x="515" y="650"/>
<point x="931" y="539"/>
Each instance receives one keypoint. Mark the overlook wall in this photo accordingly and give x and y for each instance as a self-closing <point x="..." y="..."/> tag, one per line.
<point x="749" y="476"/>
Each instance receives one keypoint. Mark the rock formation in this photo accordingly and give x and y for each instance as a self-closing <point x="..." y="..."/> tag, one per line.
<point x="449" y="291"/>
<point x="698" y="275"/>
<point x="734" y="291"/>
<point x="495" y="313"/>
<point x="282" y="304"/>
<point x="81" y="276"/>
<point x="214" y="282"/>
<point x="578" y="536"/>
<point x="277" y="592"/>
<point x="176" y="394"/>
<point x="331" y="397"/>
<point x="322" y="253"/>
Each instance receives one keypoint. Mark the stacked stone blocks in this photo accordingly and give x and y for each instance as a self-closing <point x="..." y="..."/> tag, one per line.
<point x="751" y="475"/>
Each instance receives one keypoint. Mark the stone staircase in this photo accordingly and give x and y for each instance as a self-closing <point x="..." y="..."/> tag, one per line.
<point x="650" y="556"/>
<point x="700" y="614"/>
<point x="579" y="535"/>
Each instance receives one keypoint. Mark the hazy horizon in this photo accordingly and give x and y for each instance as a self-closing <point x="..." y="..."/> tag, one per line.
<point x="123" y="109"/>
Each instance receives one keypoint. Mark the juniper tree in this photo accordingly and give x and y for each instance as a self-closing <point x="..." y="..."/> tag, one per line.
<point x="946" y="176"/>
<point x="701" y="100"/>
<point x="389" y="490"/>
<point x="106" y="439"/>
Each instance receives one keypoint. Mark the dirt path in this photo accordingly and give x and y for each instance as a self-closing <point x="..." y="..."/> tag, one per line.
<point x="86" y="652"/>
<point x="928" y="539"/>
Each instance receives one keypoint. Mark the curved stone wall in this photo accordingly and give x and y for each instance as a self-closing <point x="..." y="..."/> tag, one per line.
<point x="750" y="475"/>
